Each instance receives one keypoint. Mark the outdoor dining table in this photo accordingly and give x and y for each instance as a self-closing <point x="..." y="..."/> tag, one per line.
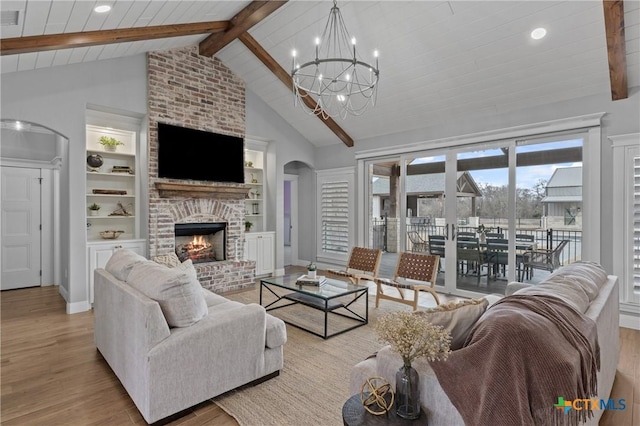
<point x="503" y="246"/>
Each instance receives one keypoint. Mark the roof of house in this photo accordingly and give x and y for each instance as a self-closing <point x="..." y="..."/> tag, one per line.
<point x="432" y="183"/>
<point x="566" y="176"/>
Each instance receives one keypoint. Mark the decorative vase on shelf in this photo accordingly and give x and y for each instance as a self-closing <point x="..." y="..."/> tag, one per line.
<point x="407" y="393"/>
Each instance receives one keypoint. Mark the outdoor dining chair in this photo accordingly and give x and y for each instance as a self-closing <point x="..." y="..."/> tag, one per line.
<point x="417" y="243"/>
<point x="545" y="259"/>
<point x="363" y="265"/>
<point x="414" y="272"/>
<point x="465" y="234"/>
<point x="470" y="255"/>
<point x="497" y="256"/>
<point x="436" y="247"/>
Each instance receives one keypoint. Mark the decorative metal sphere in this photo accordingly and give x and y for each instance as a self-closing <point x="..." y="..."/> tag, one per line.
<point x="95" y="161"/>
<point x="376" y="396"/>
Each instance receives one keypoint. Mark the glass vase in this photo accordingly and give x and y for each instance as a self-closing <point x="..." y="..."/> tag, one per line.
<point x="407" y="393"/>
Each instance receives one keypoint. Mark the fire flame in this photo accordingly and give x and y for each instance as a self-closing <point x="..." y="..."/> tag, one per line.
<point x="198" y="243"/>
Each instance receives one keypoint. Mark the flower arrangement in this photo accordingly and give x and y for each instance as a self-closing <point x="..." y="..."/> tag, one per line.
<point x="413" y="336"/>
<point x="94" y="206"/>
<point x="312" y="267"/>
<point x="108" y="141"/>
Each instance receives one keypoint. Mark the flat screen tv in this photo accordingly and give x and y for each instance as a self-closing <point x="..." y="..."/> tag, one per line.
<point x="192" y="154"/>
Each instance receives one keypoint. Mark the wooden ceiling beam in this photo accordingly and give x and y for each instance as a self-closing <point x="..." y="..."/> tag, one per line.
<point x="13" y="46"/>
<point x="245" y="19"/>
<point x="616" y="50"/>
<point x="284" y="77"/>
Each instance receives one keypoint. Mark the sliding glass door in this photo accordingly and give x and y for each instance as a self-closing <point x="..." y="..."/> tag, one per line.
<point x="490" y="211"/>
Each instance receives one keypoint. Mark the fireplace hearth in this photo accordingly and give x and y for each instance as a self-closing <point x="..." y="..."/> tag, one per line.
<point x="201" y="242"/>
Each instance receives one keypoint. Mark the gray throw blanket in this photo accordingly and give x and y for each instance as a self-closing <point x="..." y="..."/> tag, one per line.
<point x="521" y="355"/>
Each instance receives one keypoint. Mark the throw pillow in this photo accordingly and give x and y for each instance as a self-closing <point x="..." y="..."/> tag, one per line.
<point x="457" y="318"/>
<point x="171" y="260"/>
<point x="187" y="266"/>
<point x="178" y="292"/>
<point x="121" y="262"/>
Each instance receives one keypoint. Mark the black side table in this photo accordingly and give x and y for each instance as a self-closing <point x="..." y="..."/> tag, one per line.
<point x="354" y="414"/>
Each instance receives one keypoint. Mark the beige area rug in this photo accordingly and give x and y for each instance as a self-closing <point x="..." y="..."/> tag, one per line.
<point x="314" y="383"/>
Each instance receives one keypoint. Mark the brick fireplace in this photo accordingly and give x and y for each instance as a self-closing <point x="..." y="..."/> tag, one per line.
<point x="198" y="92"/>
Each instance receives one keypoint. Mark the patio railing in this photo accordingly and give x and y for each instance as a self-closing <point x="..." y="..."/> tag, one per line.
<point x="545" y="238"/>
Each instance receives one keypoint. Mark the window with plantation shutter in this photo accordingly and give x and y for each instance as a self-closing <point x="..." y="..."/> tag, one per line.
<point x="335" y="213"/>
<point x="626" y="220"/>
<point x="635" y="202"/>
<point x="335" y="217"/>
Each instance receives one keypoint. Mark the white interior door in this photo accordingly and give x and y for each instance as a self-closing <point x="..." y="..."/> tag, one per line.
<point x="21" y="240"/>
<point x="291" y="225"/>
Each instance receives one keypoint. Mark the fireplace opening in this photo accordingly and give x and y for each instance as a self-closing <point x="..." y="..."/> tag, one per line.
<point x="201" y="242"/>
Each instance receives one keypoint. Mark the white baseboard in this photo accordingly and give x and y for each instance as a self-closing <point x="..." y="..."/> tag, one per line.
<point x="63" y="292"/>
<point x="75" y="307"/>
<point x="629" y="321"/>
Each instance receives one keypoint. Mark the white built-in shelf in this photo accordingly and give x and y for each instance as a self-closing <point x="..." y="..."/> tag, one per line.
<point x="112" y="195"/>
<point x="109" y="174"/>
<point x="110" y="217"/>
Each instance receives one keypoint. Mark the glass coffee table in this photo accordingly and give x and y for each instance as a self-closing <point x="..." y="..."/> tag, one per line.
<point x="331" y="297"/>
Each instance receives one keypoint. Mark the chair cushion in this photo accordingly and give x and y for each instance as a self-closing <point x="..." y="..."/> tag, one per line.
<point x="178" y="292"/>
<point x="457" y="318"/>
<point x="121" y="262"/>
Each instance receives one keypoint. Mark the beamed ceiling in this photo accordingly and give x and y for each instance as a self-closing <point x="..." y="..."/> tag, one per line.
<point x="440" y="61"/>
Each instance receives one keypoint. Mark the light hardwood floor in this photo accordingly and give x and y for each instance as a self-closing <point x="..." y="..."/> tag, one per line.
<point x="51" y="373"/>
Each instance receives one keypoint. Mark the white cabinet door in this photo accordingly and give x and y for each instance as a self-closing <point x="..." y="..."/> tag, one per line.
<point x="259" y="247"/>
<point x="265" y="254"/>
<point x="100" y="253"/>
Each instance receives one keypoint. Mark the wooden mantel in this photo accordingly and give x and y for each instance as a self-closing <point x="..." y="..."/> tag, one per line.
<point x="189" y="190"/>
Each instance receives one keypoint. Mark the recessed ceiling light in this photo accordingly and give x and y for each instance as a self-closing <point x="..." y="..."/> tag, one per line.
<point x="538" y="33"/>
<point x="102" y="9"/>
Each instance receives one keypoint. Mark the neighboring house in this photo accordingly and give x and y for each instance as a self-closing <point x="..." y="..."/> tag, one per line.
<point x="421" y="191"/>
<point x="563" y="198"/>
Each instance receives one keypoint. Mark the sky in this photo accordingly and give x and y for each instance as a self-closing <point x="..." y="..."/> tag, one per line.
<point x="526" y="177"/>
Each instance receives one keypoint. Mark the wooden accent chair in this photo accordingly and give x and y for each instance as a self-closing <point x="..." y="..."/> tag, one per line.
<point x="363" y="265"/>
<point x="414" y="272"/>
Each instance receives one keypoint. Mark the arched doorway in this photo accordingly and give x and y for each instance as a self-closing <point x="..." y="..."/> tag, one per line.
<point x="33" y="159"/>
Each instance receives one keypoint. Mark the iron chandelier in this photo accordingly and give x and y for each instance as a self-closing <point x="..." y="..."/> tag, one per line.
<point x="342" y="84"/>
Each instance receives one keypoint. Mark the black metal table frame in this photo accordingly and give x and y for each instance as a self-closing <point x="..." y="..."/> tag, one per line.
<point x="314" y="302"/>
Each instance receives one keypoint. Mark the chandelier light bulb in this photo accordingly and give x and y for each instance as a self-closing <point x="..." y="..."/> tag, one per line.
<point x="353" y="41"/>
<point x="18" y="125"/>
<point x="294" y="53"/>
<point x="375" y="53"/>
<point x="317" y="41"/>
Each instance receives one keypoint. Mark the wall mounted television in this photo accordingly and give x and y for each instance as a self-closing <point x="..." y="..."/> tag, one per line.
<point x="185" y="153"/>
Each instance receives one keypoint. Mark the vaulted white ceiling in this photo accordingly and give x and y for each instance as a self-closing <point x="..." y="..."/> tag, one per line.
<point x="440" y="61"/>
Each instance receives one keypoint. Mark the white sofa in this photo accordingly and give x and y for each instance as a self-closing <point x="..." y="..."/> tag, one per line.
<point x="601" y="306"/>
<point x="168" y="369"/>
